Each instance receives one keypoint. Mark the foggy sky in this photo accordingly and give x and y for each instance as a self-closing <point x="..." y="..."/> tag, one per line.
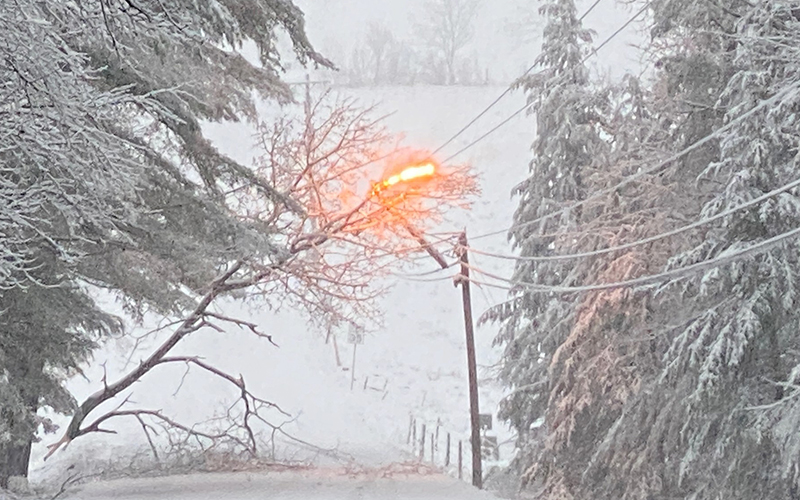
<point x="503" y="43"/>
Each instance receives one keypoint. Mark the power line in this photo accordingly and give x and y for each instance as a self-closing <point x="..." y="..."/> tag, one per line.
<point x="501" y="96"/>
<point x="619" y="30"/>
<point x="480" y="115"/>
<point x="692" y="147"/>
<point x="653" y="278"/>
<point x="590" y="9"/>
<point x="413" y="276"/>
<point x="644" y="241"/>
<point x="498" y="99"/>
<point x="488" y="297"/>
<point x="527" y="105"/>
<point x="426" y="280"/>
<point x="487" y="134"/>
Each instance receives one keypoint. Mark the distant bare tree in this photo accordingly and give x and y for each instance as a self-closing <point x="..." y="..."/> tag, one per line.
<point x="379" y="42"/>
<point x="357" y="67"/>
<point x="526" y="24"/>
<point x="379" y="58"/>
<point x="446" y="27"/>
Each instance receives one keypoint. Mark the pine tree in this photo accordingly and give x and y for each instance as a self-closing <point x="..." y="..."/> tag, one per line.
<point x="46" y="331"/>
<point x="739" y="342"/>
<point x="589" y="362"/>
<point x="710" y="416"/>
<point x="566" y="146"/>
<point x="106" y="179"/>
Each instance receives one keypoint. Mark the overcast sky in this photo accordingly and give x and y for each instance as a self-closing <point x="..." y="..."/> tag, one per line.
<point x="501" y="42"/>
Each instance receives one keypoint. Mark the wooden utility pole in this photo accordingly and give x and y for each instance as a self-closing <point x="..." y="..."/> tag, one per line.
<point x="472" y="369"/>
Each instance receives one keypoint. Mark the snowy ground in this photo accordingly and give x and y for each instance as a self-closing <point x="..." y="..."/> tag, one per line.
<point x="314" y="485"/>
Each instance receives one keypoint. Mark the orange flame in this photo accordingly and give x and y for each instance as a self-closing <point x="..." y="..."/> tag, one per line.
<point x="408" y="174"/>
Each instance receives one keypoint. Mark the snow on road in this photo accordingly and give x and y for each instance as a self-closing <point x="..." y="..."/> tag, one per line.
<point x="310" y="485"/>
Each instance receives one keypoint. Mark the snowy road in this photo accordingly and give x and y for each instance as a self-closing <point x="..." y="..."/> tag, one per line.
<point x="311" y="485"/>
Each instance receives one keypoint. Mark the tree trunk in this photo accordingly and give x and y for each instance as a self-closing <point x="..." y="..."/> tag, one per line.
<point x="450" y="63"/>
<point x="15" y="455"/>
<point x="14" y="460"/>
<point x="451" y="74"/>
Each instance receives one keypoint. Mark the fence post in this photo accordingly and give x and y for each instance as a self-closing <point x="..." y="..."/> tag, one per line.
<point x="410" y="426"/>
<point x="414" y="437"/>
<point x="433" y="445"/>
<point x="460" y="461"/>
<point x="422" y="445"/>
<point x="447" y="452"/>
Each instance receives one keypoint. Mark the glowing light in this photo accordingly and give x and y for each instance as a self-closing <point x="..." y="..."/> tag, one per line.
<point x="408" y="174"/>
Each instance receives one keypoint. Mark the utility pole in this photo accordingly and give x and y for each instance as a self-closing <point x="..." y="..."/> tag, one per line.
<point x="472" y="369"/>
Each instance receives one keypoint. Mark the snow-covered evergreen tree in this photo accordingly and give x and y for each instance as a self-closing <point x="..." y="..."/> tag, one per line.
<point x="46" y="331"/>
<point x="740" y="343"/>
<point x="567" y="144"/>
<point x="712" y="415"/>
<point x="106" y="179"/>
<point x="593" y="365"/>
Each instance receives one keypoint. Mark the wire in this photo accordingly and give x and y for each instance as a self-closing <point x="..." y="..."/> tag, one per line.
<point x="501" y="96"/>
<point x="484" y="136"/>
<point x="644" y="241"/>
<point x="427" y="280"/>
<point x="488" y="297"/>
<point x="590" y="9"/>
<point x="426" y="273"/>
<point x="527" y="105"/>
<point x="619" y="30"/>
<point x="480" y="115"/>
<point x="653" y="278"/>
<point x="695" y="145"/>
